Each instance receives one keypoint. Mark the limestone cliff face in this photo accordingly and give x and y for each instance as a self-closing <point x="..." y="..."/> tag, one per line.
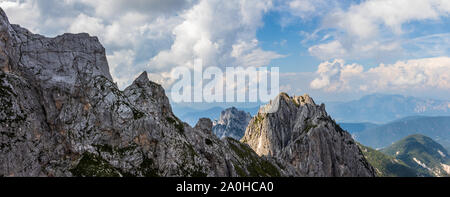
<point x="61" y="114"/>
<point x="301" y="134"/>
<point x="232" y="123"/>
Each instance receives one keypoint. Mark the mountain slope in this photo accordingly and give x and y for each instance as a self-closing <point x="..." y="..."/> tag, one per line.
<point x="385" y="165"/>
<point x="421" y="153"/>
<point x="437" y="128"/>
<point x="296" y="131"/>
<point x="232" y="123"/>
<point x="382" y="108"/>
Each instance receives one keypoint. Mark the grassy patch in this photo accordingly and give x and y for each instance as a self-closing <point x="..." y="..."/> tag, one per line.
<point x="256" y="166"/>
<point x="148" y="169"/>
<point x="177" y="123"/>
<point x="91" y="165"/>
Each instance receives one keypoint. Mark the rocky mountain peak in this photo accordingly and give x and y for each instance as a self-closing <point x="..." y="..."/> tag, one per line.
<point x="142" y="78"/>
<point x="232" y="123"/>
<point x="299" y="132"/>
<point x="302" y="100"/>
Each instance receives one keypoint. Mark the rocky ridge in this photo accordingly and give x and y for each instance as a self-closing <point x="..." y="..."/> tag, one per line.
<point x="62" y="115"/>
<point x="295" y="131"/>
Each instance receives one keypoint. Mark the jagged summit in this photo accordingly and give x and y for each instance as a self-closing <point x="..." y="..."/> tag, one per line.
<point x="297" y="131"/>
<point x="284" y="99"/>
<point x="142" y="78"/>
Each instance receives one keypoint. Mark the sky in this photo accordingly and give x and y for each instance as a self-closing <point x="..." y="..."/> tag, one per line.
<point x="332" y="50"/>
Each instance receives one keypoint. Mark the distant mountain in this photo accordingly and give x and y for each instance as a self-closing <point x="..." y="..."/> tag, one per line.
<point x="386" y="165"/>
<point x="232" y="123"/>
<point x="191" y="115"/>
<point x="382" y="108"/>
<point x="253" y="110"/>
<point x="421" y="153"/>
<point x="380" y="136"/>
<point x="357" y="127"/>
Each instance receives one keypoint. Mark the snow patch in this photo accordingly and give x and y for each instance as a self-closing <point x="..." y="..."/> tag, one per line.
<point x="420" y="163"/>
<point x="446" y="168"/>
<point x="441" y="153"/>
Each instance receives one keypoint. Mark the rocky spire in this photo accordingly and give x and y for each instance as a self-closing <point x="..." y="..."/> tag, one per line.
<point x="300" y="133"/>
<point x="142" y="79"/>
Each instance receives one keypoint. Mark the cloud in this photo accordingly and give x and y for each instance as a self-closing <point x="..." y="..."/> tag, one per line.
<point x="432" y="45"/>
<point x="220" y="33"/>
<point x="118" y="8"/>
<point x="305" y="10"/>
<point x="24" y="13"/>
<point x="334" y="75"/>
<point x="333" y="49"/>
<point x="364" y="20"/>
<point x="84" y="23"/>
<point x="416" y="74"/>
<point x="375" y="28"/>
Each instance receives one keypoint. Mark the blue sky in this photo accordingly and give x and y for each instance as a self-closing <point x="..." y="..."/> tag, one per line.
<point x="332" y="50"/>
<point x="287" y="40"/>
<point x="290" y="39"/>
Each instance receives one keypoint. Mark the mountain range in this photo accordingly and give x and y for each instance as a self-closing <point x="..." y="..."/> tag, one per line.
<point x="191" y="115"/>
<point x="379" y="136"/>
<point x="383" y="108"/>
<point x="62" y="115"/>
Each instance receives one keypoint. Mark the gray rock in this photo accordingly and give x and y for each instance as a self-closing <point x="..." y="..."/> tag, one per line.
<point x="301" y="134"/>
<point x="232" y="123"/>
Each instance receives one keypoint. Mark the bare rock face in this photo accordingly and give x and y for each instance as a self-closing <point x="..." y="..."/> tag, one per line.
<point x="301" y="134"/>
<point x="61" y="114"/>
<point x="232" y="123"/>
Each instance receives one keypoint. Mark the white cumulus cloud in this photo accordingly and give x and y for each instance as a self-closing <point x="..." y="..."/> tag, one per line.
<point x="220" y="33"/>
<point x="416" y="74"/>
<point x="375" y="28"/>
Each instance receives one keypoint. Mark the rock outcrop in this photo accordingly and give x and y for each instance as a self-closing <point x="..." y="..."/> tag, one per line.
<point x="232" y="123"/>
<point x="297" y="132"/>
<point x="62" y="115"/>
